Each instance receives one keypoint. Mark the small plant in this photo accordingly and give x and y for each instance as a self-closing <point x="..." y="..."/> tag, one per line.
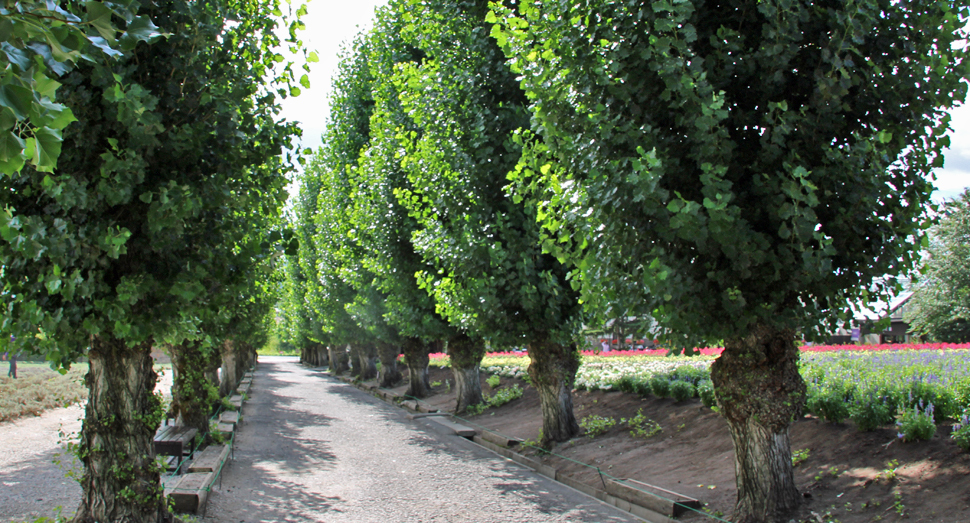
<point x="682" y="390"/>
<point x="660" y="386"/>
<point x="503" y="396"/>
<point x="642" y="426"/>
<point x="961" y="430"/>
<point x="915" y="424"/>
<point x="448" y="386"/>
<point x="493" y="381"/>
<point x="889" y="473"/>
<point x="595" y="425"/>
<point x="898" y="504"/>
<point x="705" y="389"/>
<point x="799" y="456"/>
<point x="435" y="384"/>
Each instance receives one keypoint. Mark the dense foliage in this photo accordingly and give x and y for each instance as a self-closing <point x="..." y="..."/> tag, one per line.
<point x="940" y="305"/>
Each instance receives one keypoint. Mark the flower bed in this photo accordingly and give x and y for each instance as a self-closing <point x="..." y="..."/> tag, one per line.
<point x="872" y="385"/>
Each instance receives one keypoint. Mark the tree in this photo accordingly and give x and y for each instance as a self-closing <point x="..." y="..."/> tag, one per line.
<point x="111" y="250"/>
<point x="743" y="169"/>
<point x="383" y="227"/>
<point x="491" y="279"/>
<point x="940" y="305"/>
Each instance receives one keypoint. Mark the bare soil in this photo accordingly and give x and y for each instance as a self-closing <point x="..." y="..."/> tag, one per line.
<point x="848" y="476"/>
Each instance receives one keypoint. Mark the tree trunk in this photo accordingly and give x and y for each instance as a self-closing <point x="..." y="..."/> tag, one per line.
<point x="322" y="358"/>
<point x="193" y="395"/>
<point x="760" y="392"/>
<point x="388" y="375"/>
<point x="416" y="355"/>
<point x="553" y="373"/>
<point x="466" y="356"/>
<point x="338" y="360"/>
<point x="353" y="360"/>
<point x="212" y="370"/>
<point x="230" y="369"/>
<point x="368" y="361"/>
<point x="121" y="479"/>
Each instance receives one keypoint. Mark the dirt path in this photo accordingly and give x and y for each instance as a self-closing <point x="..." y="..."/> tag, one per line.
<point x="312" y="448"/>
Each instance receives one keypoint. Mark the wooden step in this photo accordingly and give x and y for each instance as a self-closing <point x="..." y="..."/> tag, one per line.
<point x="191" y="492"/>
<point x="210" y="459"/>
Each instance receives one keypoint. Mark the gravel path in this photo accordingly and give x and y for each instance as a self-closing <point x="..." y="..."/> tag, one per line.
<point x="31" y="484"/>
<point x="312" y="448"/>
<point x="34" y="466"/>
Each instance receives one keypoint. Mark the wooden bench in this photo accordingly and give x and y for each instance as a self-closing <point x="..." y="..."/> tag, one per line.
<point x="174" y="440"/>
<point x="192" y="491"/>
<point x="236" y="401"/>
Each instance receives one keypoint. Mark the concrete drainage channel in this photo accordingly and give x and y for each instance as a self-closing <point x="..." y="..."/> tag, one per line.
<point x="650" y="503"/>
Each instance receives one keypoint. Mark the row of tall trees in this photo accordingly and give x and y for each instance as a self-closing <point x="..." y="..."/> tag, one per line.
<point x="158" y="226"/>
<point x="740" y="172"/>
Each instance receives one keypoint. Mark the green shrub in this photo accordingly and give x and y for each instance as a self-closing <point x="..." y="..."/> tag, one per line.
<point x="829" y="404"/>
<point x="660" y="386"/>
<point x="705" y="389"/>
<point x="870" y="412"/>
<point x="595" y="425"/>
<point x="682" y="390"/>
<point x="961" y="430"/>
<point x="916" y="423"/>
<point x="493" y="381"/>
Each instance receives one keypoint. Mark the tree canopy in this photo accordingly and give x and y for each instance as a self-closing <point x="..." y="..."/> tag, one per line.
<point x="940" y="305"/>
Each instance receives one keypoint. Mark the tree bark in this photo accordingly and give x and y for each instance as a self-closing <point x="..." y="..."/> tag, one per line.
<point x="193" y="395"/>
<point x="322" y="357"/>
<point x="338" y="360"/>
<point x="230" y="369"/>
<point x="553" y="373"/>
<point x="760" y="392"/>
<point x="466" y="357"/>
<point x="416" y="355"/>
<point x="121" y="479"/>
<point x="389" y="375"/>
<point x="368" y="361"/>
<point x="354" y="360"/>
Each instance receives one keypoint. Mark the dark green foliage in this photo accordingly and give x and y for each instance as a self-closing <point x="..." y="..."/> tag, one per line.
<point x="940" y="305"/>
<point x="660" y="385"/>
<point x="682" y="390"/>
<point x="724" y="165"/>
<point x="870" y="413"/>
<point x="705" y="390"/>
<point x="829" y="404"/>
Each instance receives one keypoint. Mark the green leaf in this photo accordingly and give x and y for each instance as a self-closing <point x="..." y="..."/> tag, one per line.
<point x="11" y="146"/>
<point x="19" y="99"/>
<point x="48" y="144"/>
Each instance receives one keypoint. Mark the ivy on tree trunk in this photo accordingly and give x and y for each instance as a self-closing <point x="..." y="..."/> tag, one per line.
<point x="121" y="481"/>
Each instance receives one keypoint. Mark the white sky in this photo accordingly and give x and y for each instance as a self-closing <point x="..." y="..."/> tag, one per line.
<point x="331" y="23"/>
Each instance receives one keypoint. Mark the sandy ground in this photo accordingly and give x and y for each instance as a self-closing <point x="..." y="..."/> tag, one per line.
<point x="35" y="471"/>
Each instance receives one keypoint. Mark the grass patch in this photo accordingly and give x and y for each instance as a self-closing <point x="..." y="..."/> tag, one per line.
<point x="38" y="388"/>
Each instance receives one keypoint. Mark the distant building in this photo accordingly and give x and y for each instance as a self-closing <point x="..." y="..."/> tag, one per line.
<point x="862" y="328"/>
